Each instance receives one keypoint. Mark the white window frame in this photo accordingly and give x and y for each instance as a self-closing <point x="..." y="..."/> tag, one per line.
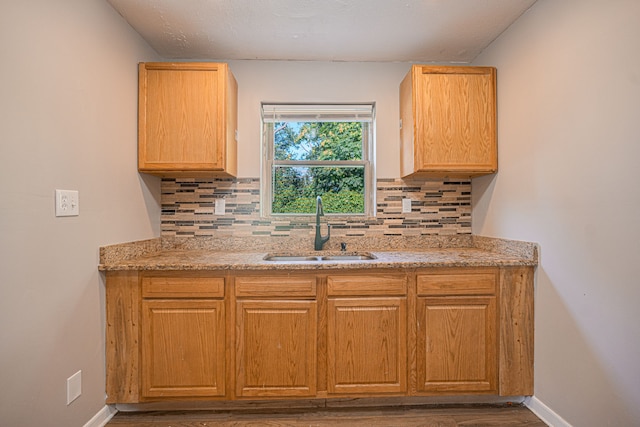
<point x="275" y="112"/>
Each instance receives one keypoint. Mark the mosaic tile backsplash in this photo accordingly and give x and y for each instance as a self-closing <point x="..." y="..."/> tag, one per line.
<point x="438" y="207"/>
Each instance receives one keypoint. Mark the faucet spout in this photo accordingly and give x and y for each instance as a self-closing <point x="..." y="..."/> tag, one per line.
<point x="319" y="240"/>
<point x="319" y="210"/>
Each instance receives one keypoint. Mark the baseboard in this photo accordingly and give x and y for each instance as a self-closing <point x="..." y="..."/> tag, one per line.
<point x="317" y="403"/>
<point x="102" y="417"/>
<point x="545" y="413"/>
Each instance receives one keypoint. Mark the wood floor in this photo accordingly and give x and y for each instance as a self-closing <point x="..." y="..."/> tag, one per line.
<point x="423" y="416"/>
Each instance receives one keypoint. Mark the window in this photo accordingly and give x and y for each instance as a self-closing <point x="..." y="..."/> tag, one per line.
<point x="318" y="150"/>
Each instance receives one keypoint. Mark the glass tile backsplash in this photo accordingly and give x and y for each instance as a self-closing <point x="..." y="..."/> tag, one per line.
<point x="438" y="207"/>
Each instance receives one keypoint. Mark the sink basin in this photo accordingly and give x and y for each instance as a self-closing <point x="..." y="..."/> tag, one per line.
<point x="289" y="258"/>
<point x="359" y="257"/>
<point x="312" y="258"/>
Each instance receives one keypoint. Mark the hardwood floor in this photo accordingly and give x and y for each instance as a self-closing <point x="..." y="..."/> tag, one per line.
<point x="409" y="416"/>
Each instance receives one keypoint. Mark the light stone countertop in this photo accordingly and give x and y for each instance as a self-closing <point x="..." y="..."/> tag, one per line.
<point x="476" y="251"/>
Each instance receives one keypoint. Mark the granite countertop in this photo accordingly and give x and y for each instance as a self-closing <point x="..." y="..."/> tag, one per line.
<point x="157" y="254"/>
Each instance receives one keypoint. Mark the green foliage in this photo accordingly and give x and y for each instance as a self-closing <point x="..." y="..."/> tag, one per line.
<point x="345" y="202"/>
<point x="295" y="188"/>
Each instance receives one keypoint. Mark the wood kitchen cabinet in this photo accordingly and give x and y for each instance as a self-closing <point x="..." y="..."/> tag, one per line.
<point x="456" y="324"/>
<point x="276" y="341"/>
<point x="366" y="333"/>
<point x="187" y="119"/>
<point x="183" y="336"/>
<point x="448" y="121"/>
<point x="251" y="335"/>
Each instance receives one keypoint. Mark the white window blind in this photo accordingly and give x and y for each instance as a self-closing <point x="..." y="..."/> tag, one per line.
<point x="272" y="113"/>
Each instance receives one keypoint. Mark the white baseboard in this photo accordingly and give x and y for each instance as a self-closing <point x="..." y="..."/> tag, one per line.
<point x="102" y="417"/>
<point x="545" y="413"/>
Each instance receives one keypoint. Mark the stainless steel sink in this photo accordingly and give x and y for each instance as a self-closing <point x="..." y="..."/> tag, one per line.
<point x="289" y="258"/>
<point x="312" y="258"/>
<point x="358" y="257"/>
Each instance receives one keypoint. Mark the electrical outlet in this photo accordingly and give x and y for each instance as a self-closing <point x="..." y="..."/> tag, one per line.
<point x="74" y="387"/>
<point x="67" y="203"/>
<point x="406" y="205"/>
<point x="219" y="207"/>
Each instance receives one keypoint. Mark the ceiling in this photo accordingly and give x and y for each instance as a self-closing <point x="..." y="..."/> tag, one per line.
<point x="321" y="30"/>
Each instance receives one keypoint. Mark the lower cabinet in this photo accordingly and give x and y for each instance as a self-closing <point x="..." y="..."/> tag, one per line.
<point x="183" y="342"/>
<point x="276" y="336"/>
<point x="366" y="334"/>
<point x="456" y="323"/>
<point x="315" y="334"/>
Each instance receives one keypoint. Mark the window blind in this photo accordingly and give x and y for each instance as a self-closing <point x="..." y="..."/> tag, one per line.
<point x="272" y="113"/>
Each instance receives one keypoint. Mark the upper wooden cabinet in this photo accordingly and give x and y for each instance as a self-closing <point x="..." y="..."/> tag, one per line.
<point x="187" y="119"/>
<point x="448" y="121"/>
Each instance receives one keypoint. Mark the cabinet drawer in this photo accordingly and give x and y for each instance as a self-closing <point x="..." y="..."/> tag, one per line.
<point x="478" y="282"/>
<point x="182" y="286"/>
<point x="379" y="284"/>
<point x="276" y="286"/>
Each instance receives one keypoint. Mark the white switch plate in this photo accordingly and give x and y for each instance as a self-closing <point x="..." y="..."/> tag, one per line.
<point x="220" y="207"/>
<point x="67" y="203"/>
<point x="406" y="205"/>
<point x="74" y="387"/>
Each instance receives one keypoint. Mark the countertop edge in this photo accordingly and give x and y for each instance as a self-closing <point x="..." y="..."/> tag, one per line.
<point x="481" y="251"/>
<point x="358" y="265"/>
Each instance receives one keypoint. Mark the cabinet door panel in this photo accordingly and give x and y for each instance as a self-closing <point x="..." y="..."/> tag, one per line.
<point x="449" y="121"/>
<point x="187" y="117"/>
<point x="181" y="112"/>
<point x="276" y="348"/>
<point x="455" y="120"/>
<point x="456" y="344"/>
<point x="366" y="345"/>
<point x="183" y="348"/>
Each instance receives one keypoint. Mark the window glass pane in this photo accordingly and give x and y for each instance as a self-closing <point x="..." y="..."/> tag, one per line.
<point x="318" y="140"/>
<point x="295" y="189"/>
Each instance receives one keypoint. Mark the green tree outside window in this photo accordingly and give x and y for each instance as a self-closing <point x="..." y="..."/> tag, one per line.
<point x="295" y="188"/>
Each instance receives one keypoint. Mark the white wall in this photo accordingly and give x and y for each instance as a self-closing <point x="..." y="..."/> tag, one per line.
<point x="292" y="81"/>
<point x="68" y="109"/>
<point x="569" y="141"/>
<point x="569" y="178"/>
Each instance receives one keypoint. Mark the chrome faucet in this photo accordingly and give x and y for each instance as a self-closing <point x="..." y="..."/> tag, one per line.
<point x="320" y="241"/>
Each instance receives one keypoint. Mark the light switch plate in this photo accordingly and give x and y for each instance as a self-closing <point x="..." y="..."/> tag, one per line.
<point x="67" y="203"/>
<point x="74" y="387"/>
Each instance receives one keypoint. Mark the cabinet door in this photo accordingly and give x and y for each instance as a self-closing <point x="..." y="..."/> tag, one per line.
<point x="366" y="344"/>
<point x="183" y="348"/>
<point x="456" y="344"/>
<point x="454" y="121"/>
<point x="183" y="117"/>
<point x="276" y="348"/>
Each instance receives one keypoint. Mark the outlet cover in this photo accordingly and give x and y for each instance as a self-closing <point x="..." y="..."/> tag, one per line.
<point x="406" y="205"/>
<point x="74" y="387"/>
<point x="67" y="203"/>
<point x="219" y="207"/>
